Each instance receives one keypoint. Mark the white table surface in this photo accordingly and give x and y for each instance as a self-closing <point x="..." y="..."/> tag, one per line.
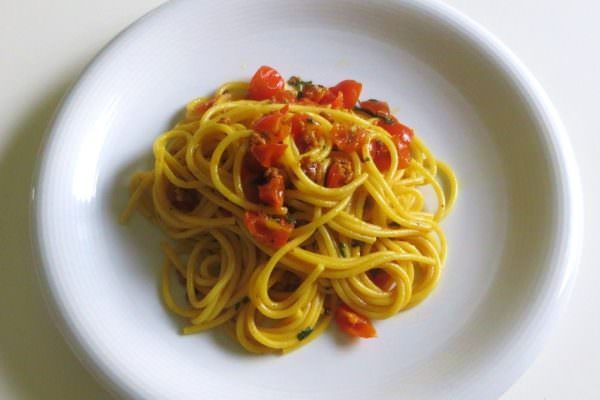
<point x="45" y="44"/>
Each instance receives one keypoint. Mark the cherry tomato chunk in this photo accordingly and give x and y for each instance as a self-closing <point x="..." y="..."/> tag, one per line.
<point x="340" y="171"/>
<point x="268" y="154"/>
<point x="354" y="324"/>
<point x="265" y="83"/>
<point x="348" y="139"/>
<point x="267" y="230"/>
<point x="271" y="193"/>
<point x="272" y="126"/>
<point x="375" y="107"/>
<point x="350" y="90"/>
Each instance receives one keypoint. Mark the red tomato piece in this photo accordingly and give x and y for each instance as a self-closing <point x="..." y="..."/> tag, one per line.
<point x="265" y="83"/>
<point x="350" y="90"/>
<point x="348" y="139"/>
<point x="272" y="126"/>
<point x="304" y="131"/>
<point x="375" y="107"/>
<point x="271" y="193"/>
<point x="284" y="96"/>
<point x="267" y="230"/>
<point x="268" y="154"/>
<point x="396" y="128"/>
<point x="380" y="155"/>
<point x="404" y="154"/>
<point x="335" y="99"/>
<point x="313" y="170"/>
<point x="354" y="324"/>
<point x="340" y="171"/>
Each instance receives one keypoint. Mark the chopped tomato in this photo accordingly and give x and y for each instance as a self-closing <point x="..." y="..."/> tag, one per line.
<point x="395" y="128"/>
<point x="404" y="154"/>
<point x="268" y="154"/>
<point x="375" y="107"/>
<point x="348" y="139"/>
<point x="284" y="96"/>
<point x="313" y="169"/>
<point x="340" y="171"/>
<point x="338" y="101"/>
<point x="350" y="90"/>
<point x="305" y="132"/>
<point x="380" y="155"/>
<point x="267" y="230"/>
<point x="381" y="279"/>
<point x="265" y="84"/>
<point x="354" y="324"/>
<point x="271" y="193"/>
<point x="272" y="125"/>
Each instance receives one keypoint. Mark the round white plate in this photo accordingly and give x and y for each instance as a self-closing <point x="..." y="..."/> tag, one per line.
<point x="513" y="236"/>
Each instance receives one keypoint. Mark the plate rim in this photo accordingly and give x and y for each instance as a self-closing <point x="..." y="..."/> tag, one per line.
<point x="570" y="228"/>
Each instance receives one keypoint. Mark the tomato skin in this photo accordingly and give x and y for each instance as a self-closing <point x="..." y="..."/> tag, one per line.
<point x="304" y="131"/>
<point x="265" y="83"/>
<point x="272" y="126"/>
<point x="404" y="154"/>
<point x="395" y="128"/>
<point x="284" y="96"/>
<point x="266" y="230"/>
<point x="354" y="324"/>
<point x="271" y="193"/>
<point x="313" y="169"/>
<point x="350" y="90"/>
<point x="340" y="171"/>
<point x="348" y="139"/>
<point x="380" y="155"/>
<point x="268" y="154"/>
<point x="375" y="107"/>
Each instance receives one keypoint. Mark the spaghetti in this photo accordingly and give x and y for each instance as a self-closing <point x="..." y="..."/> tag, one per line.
<point x="292" y="205"/>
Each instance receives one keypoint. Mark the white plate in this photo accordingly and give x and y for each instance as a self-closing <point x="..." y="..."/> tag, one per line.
<point x="513" y="236"/>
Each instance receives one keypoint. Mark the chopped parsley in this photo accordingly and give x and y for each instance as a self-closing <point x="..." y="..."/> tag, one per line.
<point x="303" y="334"/>
<point x="242" y="301"/>
<point x="344" y="251"/>
<point x="298" y="83"/>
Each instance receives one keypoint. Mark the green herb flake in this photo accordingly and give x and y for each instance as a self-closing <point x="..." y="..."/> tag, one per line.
<point x="303" y="334"/>
<point x="242" y="301"/>
<point x="291" y="219"/>
<point x="344" y="251"/>
<point x="298" y="83"/>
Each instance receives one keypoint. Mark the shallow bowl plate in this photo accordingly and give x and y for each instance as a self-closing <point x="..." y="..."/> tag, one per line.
<point x="513" y="236"/>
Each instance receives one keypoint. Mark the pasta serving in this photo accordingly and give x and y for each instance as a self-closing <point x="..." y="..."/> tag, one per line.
<point x="289" y="205"/>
